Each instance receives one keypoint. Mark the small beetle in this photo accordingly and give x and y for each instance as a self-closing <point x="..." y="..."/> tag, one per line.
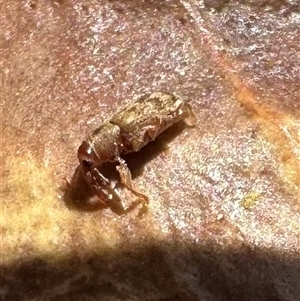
<point x="128" y="130"/>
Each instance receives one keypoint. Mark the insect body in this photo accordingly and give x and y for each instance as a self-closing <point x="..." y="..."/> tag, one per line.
<point x="128" y="130"/>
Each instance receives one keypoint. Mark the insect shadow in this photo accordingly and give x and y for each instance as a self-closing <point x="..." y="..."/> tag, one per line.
<point x="77" y="194"/>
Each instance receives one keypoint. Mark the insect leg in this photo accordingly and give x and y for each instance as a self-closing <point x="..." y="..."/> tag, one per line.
<point x="126" y="180"/>
<point x="190" y="118"/>
<point x="101" y="187"/>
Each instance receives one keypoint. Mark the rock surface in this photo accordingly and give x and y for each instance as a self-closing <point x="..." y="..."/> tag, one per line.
<point x="223" y="219"/>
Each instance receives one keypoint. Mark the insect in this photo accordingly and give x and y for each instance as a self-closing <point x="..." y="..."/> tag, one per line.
<point x="128" y="130"/>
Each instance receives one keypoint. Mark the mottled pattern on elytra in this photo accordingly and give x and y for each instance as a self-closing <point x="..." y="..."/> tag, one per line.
<point x="146" y="110"/>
